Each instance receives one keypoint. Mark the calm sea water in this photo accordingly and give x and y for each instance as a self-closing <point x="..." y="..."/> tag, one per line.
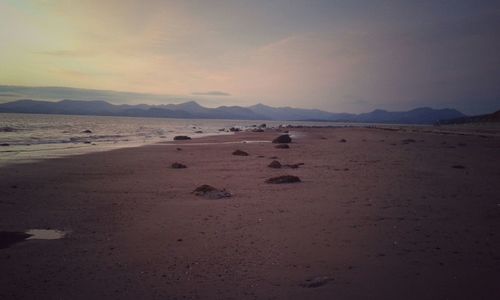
<point x="29" y="137"/>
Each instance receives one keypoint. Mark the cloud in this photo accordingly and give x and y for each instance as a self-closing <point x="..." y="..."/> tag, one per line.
<point x="211" y="93"/>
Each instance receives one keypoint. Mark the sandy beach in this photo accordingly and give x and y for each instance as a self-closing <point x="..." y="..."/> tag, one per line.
<point x="387" y="214"/>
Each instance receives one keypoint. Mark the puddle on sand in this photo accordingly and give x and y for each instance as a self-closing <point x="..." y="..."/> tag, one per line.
<point x="45" y="234"/>
<point x="9" y="238"/>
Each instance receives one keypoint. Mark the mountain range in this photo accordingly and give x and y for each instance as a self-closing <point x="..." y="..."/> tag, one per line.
<point x="193" y="110"/>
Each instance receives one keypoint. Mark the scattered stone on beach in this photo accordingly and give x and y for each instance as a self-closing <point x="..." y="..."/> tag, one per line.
<point x="274" y="164"/>
<point x="8" y="238"/>
<point x="342" y="141"/>
<point x="257" y="130"/>
<point x="282" y="146"/>
<point x="283" y="139"/>
<point x="283" y="179"/>
<point x="458" y="167"/>
<point x="177" y="165"/>
<point x="316" y="282"/>
<point x="408" y="141"/>
<point x="211" y="192"/>
<point x="4" y="144"/>
<point x="178" y="149"/>
<point x="87" y="131"/>
<point x="263" y="125"/>
<point x="234" y="129"/>
<point x="198" y="131"/>
<point x="181" y="138"/>
<point x="7" y="129"/>
<point x="273" y="157"/>
<point x="240" y="153"/>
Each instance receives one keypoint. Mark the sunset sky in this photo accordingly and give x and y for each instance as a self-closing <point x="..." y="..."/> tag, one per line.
<point x="350" y="56"/>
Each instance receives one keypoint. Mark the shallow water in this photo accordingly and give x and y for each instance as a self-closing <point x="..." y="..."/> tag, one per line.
<point x="45" y="234"/>
<point x="30" y="137"/>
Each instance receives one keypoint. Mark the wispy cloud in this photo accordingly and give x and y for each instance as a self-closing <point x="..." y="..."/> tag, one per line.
<point x="211" y="93"/>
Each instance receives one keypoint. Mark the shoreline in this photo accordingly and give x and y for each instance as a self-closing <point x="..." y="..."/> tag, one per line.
<point x="384" y="214"/>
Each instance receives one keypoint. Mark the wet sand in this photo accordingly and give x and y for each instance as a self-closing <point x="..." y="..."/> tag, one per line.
<point x="385" y="215"/>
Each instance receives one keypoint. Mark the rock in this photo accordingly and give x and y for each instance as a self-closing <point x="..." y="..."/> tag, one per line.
<point x="458" y="167"/>
<point x="257" y="130"/>
<point x="274" y="164"/>
<point x="177" y="165"/>
<point x="282" y="146"/>
<point x="234" y="129"/>
<point x="179" y="149"/>
<point x="7" y="129"/>
<point x="263" y="125"/>
<point x="4" y="144"/>
<point x="211" y="192"/>
<point x="343" y="141"/>
<point x="86" y="142"/>
<point x="222" y="129"/>
<point x="316" y="282"/>
<point x="408" y="141"/>
<point x="283" y="139"/>
<point x="240" y="153"/>
<point x="198" y="131"/>
<point x="181" y="138"/>
<point x="87" y="131"/>
<point x="283" y="179"/>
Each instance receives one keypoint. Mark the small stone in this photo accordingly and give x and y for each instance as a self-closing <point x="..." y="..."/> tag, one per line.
<point x="343" y="141"/>
<point x="283" y="139"/>
<point x="275" y="164"/>
<point x="240" y="153"/>
<point x="408" y="141"/>
<point x="181" y="138"/>
<point x="211" y="192"/>
<point x="177" y="165"/>
<point x="87" y="131"/>
<point x="316" y="282"/>
<point x="283" y="179"/>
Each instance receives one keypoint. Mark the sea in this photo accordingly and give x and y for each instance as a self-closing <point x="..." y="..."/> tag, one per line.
<point x="33" y="137"/>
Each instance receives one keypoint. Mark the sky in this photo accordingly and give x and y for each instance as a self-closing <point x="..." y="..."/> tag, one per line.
<point x="340" y="56"/>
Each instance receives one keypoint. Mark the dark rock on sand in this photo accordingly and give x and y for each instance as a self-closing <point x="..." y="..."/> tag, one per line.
<point x="316" y="282"/>
<point x="283" y="139"/>
<point x="240" y="153"/>
<point x="257" y="130"/>
<point x="179" y="149"/>
<point x="181" y="138"/>
<point x="4" y="144"/>
<point x="274" y="164"/>
<point x="8" y="238"/>
<point x="343" y="141"/>
<point x="7" y="129"/>
<point x="211" y="192"/>
<point x="263" y="125"/>
<point x="283" y="179"/>
<point x="234" y="129"/>
<point x="282" y="146"/>
<point x="458" y="167"/>
<point x="408" y="141"/>
<point x="177" y="165"/>
<point x="87" y="131"/>
<point x="198" y="131"/>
